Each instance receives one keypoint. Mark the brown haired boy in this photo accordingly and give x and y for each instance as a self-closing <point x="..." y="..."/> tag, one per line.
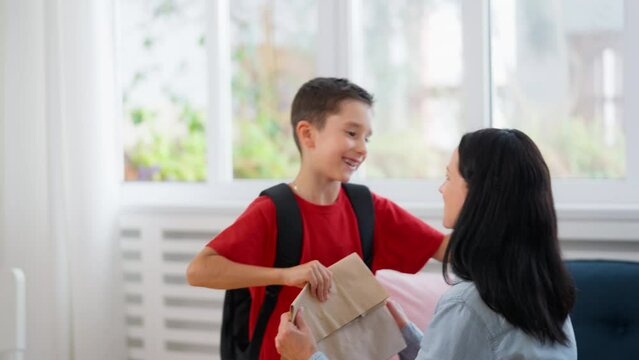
<point x="331" y="120"/>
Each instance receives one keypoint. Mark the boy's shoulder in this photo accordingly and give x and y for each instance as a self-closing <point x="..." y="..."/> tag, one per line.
<point x="262" y="201"/>
<point x="381" y="202"/>
<point x="260" y="206"/>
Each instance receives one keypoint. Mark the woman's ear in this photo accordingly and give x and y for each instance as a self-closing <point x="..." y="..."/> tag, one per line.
<point x="305" y="134"/>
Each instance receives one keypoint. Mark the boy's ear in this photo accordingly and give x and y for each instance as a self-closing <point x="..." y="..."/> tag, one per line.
<point x="305" y="134"/>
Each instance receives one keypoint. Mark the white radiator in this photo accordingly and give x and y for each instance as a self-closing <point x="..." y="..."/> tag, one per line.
<point x="165" y="317"/>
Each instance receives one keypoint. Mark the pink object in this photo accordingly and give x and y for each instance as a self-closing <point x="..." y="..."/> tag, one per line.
<point x="417" y="293"/>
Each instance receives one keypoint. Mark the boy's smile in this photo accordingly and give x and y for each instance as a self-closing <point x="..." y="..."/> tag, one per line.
<point x="352" y="163"/>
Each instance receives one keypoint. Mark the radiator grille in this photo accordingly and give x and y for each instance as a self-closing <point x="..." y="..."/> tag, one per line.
<point x="166" y="318"/>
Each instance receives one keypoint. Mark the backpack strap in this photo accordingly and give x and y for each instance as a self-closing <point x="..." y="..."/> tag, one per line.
<point x="288" y="252"/>
<point x="362" y="203"/>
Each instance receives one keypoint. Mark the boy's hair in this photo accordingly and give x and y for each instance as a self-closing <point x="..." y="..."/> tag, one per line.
<point x="321" y="97"/>
<point x="505" y="237"/>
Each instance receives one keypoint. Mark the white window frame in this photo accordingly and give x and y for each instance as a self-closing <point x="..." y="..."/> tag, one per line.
<point x="338" y="57"/>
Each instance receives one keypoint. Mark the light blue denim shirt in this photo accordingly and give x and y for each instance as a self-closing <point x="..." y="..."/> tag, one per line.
<point x="464" y="327"/>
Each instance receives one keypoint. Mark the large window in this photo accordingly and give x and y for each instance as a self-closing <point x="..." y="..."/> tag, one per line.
<point x="207" y="88"/>
<point x="557" y="70"/>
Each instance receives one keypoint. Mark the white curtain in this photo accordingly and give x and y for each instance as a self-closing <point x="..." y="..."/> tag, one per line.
<point x="60" y="172"/>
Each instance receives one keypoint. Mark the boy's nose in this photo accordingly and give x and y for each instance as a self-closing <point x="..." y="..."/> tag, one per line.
<point x="361" y="147"/>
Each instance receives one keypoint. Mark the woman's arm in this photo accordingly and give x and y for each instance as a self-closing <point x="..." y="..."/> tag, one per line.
<point x="441" y="250"/>
<point x="411" y="334"/>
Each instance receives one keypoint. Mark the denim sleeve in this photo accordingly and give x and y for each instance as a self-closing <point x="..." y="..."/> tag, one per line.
<point x="413" y="336"/>
<point x="318" y="356"/>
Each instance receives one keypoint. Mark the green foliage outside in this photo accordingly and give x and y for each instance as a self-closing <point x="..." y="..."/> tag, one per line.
<point x="170" y="158"/>
<point x="263" y="145"/>
<point x="170" y="143"/>
<point x="404" y="154"/>
<point x="577" y="149"/>
<point x="266" y="75"/>
<point x="262" y="156"/>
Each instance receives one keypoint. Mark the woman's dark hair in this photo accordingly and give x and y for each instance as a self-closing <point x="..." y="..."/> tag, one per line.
<point x="505" y="236"/>
<point x="320" y="97"/>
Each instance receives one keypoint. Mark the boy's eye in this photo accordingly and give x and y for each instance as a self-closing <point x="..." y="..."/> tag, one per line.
<point x="351" y="133"/>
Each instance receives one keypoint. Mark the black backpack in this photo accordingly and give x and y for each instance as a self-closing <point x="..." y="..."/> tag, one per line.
<point x="234" y="344"/>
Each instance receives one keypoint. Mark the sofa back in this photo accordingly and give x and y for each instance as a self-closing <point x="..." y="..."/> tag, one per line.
<point x="606" y="313"/>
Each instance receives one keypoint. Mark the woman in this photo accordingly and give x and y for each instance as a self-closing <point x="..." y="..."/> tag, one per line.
<point x="514" y="294"/>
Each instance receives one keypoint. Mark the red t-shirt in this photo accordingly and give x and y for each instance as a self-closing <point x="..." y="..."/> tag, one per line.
<point x="401" y="242"/>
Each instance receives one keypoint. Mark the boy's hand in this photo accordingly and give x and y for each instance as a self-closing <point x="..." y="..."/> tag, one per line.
<point x="294" y="340"/>
<point x="315" y="274"/>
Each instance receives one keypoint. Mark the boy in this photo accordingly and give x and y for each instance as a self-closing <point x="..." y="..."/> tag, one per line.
<point x="331" y="120"/>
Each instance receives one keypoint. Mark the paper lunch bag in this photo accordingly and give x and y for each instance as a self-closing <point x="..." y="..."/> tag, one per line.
<point x="354" y="322"/>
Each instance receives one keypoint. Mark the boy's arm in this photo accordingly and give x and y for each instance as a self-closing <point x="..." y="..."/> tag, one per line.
<point x="441" y="250"/>
<point x="211" y="270"/>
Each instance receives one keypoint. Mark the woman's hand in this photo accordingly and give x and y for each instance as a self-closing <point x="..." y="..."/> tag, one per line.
<point x="318" y="276"/>
<point x="398" y="313"/>
<point x="294" y="341"/>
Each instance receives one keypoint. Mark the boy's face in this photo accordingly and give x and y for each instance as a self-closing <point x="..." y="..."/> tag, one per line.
<point x="338" y="149"/>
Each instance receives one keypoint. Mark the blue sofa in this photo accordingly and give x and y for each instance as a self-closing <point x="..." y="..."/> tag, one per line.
<point x="606" y="313"/>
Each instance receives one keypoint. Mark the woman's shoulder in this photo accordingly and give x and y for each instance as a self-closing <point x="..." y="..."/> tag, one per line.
<point x="465" y="295"/>
<point x="461" y="292"/>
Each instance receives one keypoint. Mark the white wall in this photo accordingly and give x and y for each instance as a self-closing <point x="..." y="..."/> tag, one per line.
<point x="2" y="91"/>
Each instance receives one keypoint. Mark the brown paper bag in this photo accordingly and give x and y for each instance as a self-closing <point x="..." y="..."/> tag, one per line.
<point x="354" y="322"/>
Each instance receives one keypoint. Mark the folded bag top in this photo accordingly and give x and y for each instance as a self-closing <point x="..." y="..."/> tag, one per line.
<point x="354" y="292"/>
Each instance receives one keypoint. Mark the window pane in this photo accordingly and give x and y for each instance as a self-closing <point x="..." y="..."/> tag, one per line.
<point x="557" y="70"/>
<point x="163" y="76"/>
<point x="412" y="58"/>
<point x="273" y="46"/>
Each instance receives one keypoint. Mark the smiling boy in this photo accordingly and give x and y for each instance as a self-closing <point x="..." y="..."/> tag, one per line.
<point x="331" y="121"/>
